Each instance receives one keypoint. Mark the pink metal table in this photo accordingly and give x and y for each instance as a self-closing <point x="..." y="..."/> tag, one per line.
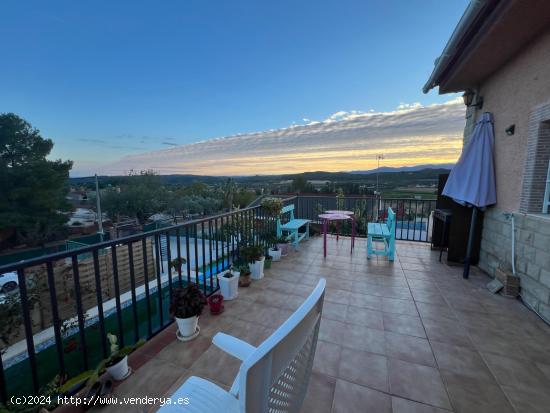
<point x="352" y="215"/>
<point x="326" y="218"/>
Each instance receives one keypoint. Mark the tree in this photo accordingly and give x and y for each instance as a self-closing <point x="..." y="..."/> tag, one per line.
<point x="33" y="188"/>
<point x="301" y="184"/>
<point x="229" y="188"/>
<point x="141" y="196"/>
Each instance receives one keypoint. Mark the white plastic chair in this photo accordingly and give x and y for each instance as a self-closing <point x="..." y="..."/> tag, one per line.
<point x="273" y="377"/>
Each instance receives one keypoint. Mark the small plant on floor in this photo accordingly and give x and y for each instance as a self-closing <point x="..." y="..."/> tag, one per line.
<point x="244" y="279"/>
<point x="252" y="253"/>
<point x="117" y="363"/>
<point x="187" y="302"/>
<point x="186" y="307"/>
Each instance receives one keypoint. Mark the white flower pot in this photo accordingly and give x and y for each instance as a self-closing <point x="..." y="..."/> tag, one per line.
<point x="283" y="248"/>
<point x="257" y="269"/>
<point x="229" y="287"/>
<point x="275" y="254"/>
<point x="119" y="371"/>
<point x="187" y="326"/>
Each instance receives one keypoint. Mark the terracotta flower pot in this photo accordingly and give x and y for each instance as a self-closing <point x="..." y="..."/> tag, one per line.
<point x="244" y="280"/>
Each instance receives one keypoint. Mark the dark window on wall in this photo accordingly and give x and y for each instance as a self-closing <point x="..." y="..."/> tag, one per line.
<point x="536" y="185"/>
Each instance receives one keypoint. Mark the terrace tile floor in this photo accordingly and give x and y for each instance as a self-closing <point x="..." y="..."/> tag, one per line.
<point x="408" y="336"/>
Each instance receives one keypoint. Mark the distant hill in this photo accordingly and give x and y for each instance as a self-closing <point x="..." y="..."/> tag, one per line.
<point x="406" y="168"/>
<point x="404" y="175"/>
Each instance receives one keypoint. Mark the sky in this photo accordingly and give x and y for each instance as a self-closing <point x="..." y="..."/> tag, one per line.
<point x="231" y="87"/>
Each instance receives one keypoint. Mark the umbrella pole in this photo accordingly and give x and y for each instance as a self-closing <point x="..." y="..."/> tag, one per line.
<point x="466" y="272"/>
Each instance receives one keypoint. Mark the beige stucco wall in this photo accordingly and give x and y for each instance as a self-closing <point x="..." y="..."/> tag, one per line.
<point x="510" y="94"/>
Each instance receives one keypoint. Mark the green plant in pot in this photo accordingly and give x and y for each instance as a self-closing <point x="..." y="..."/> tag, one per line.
<point x="282" y="244"/>
<point x="186" y="307"/>
<point x="272" y="206"/>
<point x="117" y="364"/>
<point x="177" y="263"/>
<point x="254" y="256"/>
<point x="267" y="262"/>
<point x="244" y="277"/>
<point x="273" y="251"/>
<point x="228" y="282"/>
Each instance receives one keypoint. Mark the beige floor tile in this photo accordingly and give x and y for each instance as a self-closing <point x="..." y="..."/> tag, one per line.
<point x="516" y="372"/>
<point x="409" y="348"/>
<point x="327" y="358"/>
<point x="184" y="354"/>
<point x="363" y="338"/>
<point x="528" y="400"/>
<point x="392" y="305"/>
<point x="400" y="405"/>
<point x="419" y="383"/>
<point x="447" y="331"/>
<point x="364" y="368"/>
<point x="469" y="395"/>
<point x="320" y="393"/>
<point x="365" y="317"/>
<point x="461" y="360"/>
<point x="404" y="324"/>
<point x="335" y="311"/>
<point x="353" y="398"/>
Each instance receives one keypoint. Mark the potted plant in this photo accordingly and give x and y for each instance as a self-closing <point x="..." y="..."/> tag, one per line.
<point x="254" y="256"/>
<point x="244" y="278"/>
<point x="272" y="206"/>
<point x="216" y="304"/>
<point x="117" y="364"/>
<point x="229" y="284"/>
<point x="282" y="244"/>
<point x="186" y="307"/>
<point x="267" y="262"/>
<point x="274" y="251"/>
<point x="177" y="263"/>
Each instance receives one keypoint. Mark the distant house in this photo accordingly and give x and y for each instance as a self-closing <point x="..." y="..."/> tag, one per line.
<point x="499" y="54"/>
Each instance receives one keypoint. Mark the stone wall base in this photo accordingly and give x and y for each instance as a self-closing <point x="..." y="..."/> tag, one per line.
<point x="532" y="234"/>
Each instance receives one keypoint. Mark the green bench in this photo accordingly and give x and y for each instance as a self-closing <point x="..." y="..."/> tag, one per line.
<point x="383" y="232"/>
<point x="291" y="229"/>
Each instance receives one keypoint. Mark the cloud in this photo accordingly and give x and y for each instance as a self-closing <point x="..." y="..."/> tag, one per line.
<point x="169" y="143"/>
<point x="346" y="140"/>
<point x="95" y="141"/>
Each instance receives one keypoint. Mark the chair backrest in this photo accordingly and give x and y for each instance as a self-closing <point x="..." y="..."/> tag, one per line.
<point x="289" y="209"/>
<point x="391" y="221"/>
<point x="275" y="377"/>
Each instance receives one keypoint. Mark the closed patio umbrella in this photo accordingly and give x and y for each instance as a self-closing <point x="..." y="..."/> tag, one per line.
<point x="472" y="180"/>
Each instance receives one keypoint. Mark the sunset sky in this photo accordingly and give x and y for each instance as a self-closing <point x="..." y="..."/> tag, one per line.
<point x="231" y="87"/>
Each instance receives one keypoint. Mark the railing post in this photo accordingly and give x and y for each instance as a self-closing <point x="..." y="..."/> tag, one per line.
<point x="133" y="291"/>
<point x="80" y="313"/>
<point x="117" y="296"/>
<point x="28" y="328"/>
<point x="55" y="319"/>
<point x="147" y="292"/>
<point x="159" y="280"/>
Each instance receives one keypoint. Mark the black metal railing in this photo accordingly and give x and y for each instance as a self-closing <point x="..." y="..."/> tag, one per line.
<point x="122" y="286"/>
<point x="413" y="215"/>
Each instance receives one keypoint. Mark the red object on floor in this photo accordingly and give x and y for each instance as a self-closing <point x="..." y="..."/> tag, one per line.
<point x="216" y="303"/>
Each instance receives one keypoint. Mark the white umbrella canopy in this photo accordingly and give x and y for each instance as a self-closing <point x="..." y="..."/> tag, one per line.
<point x="472" y="180"/>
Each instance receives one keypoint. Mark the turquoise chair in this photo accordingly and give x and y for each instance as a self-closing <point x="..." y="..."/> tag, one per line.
<point x="383" y="232"/>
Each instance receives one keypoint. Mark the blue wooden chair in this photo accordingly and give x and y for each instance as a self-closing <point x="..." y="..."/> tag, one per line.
<point x="383" y="232"/>
<point x="291" y="229"/>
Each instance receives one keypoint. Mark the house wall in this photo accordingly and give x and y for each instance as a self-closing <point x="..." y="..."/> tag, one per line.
<point x="513" y="95"/>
